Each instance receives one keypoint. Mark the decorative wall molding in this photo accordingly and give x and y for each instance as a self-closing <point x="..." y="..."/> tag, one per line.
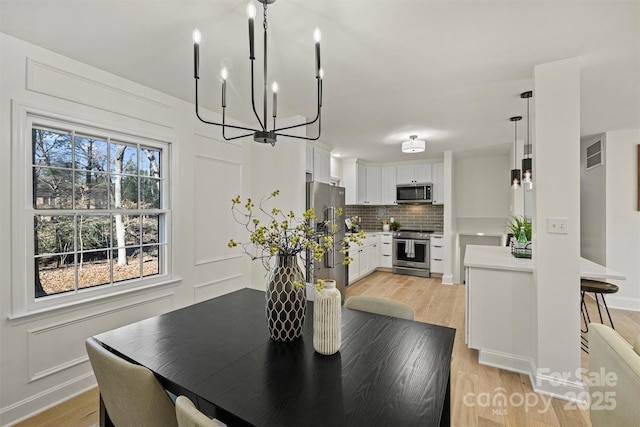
<point x="39" y="402"/>
<point x="49" y="80"/>
<point x="208" y="131"/>
<point x="213" y="227"/>
<point x="216" y="287"/>
<point x="44" y="359"/>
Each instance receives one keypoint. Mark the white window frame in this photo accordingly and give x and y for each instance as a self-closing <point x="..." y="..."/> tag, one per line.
<point x="24" y="302"/>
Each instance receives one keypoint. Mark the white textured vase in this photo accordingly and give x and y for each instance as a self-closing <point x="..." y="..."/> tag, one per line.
<point x="327" y="319"/>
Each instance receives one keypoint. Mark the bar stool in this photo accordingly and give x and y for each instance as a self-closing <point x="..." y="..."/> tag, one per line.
<point x="597" y="287"/>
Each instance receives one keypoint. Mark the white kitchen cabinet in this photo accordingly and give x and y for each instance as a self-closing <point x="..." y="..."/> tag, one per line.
<point x="373" y="256"/>
<point x="362" y="183"/>
<point x="309" y="158"/>
<point x="386" y="250"/>
<point x="388" y="196"/>
<point x="321" y="165"/>
<point x="354" y="266"/>
<point x="437" y="254"/>
<point x="373" y="186"/>
<point x="437" y="179"/>
<point x="412" y="174"/>
<point x="366" y="258"/>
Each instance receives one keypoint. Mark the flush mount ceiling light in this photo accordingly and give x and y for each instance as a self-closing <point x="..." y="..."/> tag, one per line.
<point x="527" y="162"/>
<point x="263" y="134"/>
<point x="515" y="173"/>
<point x="413" y="145"/>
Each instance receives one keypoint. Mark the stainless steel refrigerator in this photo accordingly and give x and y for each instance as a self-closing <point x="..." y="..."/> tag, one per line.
<point x="326" y="199"/>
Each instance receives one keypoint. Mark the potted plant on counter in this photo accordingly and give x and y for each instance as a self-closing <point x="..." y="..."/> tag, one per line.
<point x="516" y="223"/>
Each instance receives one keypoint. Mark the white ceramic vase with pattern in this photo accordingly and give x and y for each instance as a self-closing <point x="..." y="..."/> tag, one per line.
<point x="285" y="305"/>
<point x="327" y="319"/>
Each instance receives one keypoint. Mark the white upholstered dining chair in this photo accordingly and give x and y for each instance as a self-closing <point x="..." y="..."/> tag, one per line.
<point x="131" y="393"/>
<point x="380" y="306"/>
<point x="189" y="416"/>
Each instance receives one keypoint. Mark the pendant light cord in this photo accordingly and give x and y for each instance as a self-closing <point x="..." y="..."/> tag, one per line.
<point x="528" y="152"/>
<point x="515" y="147"/>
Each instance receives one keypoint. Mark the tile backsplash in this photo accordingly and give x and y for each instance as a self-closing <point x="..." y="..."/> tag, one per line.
<point x="418" y="217"/>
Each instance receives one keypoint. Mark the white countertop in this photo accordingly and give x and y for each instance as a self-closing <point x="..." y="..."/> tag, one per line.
<point x="495" y="257"/>
<point x="500" y="258"/>
<point x="591" y="270"/>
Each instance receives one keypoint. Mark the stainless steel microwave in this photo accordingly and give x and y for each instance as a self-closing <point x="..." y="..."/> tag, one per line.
<point x="413" y="193"/>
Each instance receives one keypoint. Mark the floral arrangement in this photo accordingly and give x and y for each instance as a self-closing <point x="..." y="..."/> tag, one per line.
<point x="279" y="233"/>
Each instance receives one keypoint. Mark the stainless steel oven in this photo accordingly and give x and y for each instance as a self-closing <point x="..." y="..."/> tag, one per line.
<point x="411" y="253"/>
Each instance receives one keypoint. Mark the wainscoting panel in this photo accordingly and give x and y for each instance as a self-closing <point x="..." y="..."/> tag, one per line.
<point x="50" y="80"/>
<point x="57" y="346"/>
<point x="217" y="181"/>
<point x="218" y="287"/>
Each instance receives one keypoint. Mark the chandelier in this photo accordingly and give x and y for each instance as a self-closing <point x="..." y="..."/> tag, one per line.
<point x="264" y="134"/>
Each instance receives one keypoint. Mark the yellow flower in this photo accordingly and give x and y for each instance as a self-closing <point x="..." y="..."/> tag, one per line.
<point x="320" y="285"/>
<point x="232" y="243"/>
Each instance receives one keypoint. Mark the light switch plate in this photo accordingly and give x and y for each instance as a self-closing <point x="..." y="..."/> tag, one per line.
<point x="558" y="225"/>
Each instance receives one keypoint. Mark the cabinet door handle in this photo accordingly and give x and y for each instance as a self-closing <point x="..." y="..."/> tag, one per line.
<point x="437" y="259"/>
<point x="437" y="246"/>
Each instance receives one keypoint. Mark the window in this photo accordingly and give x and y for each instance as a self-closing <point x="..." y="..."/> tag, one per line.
<point x="98" y="215"/>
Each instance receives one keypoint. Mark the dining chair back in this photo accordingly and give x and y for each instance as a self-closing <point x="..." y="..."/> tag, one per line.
<point x="131" y="393"/>
<point x="189" y="416"/>
<point x="380" y="306"/>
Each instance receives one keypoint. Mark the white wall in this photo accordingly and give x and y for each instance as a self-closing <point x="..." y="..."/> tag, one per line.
<point x="592" y="207"/>
<point x="622" y="216"/>
<point x="556" y="257"/>
<point x="43" y="360"/>
<point x="279" y="168"/>
<point x="481" y="187"/>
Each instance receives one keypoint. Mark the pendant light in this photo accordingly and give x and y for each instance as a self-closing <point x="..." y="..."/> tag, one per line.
<point x="527" y="161"/>
<point x="515" y="173"/>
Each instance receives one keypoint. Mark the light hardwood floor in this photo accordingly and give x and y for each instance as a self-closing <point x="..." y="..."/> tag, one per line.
<point x="442" y="305"/>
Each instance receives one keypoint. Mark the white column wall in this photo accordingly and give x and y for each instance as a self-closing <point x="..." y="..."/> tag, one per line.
<point x="622" y="216"/>
<point x="556" y="257"/>
<point x="449" y="234"/>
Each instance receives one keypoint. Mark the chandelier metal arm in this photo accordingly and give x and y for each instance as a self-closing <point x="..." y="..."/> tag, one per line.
<point x="215" y="123"/>
<point x="319" y="118"/>
<point x="317" y="113"/>
<point x="224" y="125"/>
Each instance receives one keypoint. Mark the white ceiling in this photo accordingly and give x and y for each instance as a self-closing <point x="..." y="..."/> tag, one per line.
<point x="449" y="71"/>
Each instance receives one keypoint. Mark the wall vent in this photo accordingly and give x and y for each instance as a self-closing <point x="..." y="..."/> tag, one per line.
<point x="594" y="155"/>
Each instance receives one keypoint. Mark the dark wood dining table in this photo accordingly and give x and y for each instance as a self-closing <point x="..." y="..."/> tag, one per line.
<point x="388" y="372"/>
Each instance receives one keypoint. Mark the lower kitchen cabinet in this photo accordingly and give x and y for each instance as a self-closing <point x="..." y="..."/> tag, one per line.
<point x="386" y="250"/>
<point x="366" y="258"/>
<point x="437" y="253"/>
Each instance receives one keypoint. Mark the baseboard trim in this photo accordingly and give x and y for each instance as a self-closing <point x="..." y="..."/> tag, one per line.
<point x="40" y="402"/>
<point x="447" y="279"/>
<point x="623" y="303"/>
<point x="505" y="361"/>
<point x="551" y="385"/>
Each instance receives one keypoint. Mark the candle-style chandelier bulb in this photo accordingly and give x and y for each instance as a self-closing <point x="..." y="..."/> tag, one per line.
<point x="251" y="10"/>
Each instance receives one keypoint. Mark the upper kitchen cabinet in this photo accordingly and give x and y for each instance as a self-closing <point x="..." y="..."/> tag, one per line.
<point x="321" y="165"/>
<point x="309" y="158"/>
<point x="362" y="183"/>
<point x="412" y="174"/>
<point x="437" y="179"/>
<point x="389" y="185"/>
<point x="374" y="185"/>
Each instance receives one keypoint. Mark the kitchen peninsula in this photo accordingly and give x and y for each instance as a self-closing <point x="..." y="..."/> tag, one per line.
<point x="499" y="304"/>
